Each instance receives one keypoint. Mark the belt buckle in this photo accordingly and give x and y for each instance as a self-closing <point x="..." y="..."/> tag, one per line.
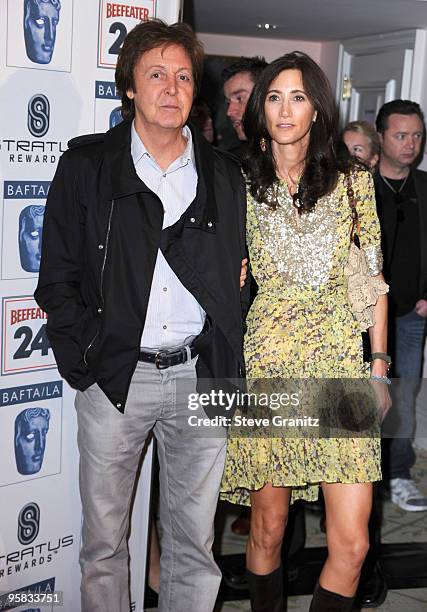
<point x="157" y="358"/>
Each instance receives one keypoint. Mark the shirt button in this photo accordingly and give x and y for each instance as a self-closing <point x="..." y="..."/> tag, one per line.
<point x="193" y="220"/>
<point x="165" y="288"/>
<point x="100" y="247"/>
<point x="165" y="175"/>
<point x="209" y="223"/>
<point x="99" y="310"/>
<point x="165" y="326"/>
<point x="118" y="405"/>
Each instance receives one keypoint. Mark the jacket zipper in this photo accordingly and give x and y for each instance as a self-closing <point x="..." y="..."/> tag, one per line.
<point x="89" y="346"/>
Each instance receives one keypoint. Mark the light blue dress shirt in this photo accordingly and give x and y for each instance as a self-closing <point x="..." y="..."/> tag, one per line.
<point x="174" y="316"/>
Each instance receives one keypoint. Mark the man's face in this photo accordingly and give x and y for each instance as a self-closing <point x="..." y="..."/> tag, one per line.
<point x="30" y="443"/>
<point x="237" y="91"/>
<point x="30" y="241"/>
<point x="401" y="141"/>
<point x="40" y="21"/>
<point x="164" y="89"/>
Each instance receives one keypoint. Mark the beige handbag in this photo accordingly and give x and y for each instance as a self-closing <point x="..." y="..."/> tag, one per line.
<point x="362" y="288"/>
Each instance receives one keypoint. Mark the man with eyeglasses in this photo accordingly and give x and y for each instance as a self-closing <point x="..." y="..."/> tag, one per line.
<point x="401" y="192"/>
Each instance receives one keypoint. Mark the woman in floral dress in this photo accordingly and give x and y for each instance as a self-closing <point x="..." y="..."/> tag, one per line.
<point x="301" y="326"/>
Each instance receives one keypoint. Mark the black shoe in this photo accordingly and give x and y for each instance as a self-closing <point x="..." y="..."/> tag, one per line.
<point x="235" y="577"/>
<point x="373" y="589"/>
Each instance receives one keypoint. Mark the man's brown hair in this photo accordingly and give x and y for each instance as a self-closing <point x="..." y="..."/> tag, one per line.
<point x="152" y="35"/>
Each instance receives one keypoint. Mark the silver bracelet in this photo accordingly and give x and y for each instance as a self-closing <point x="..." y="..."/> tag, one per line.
<point x="382" y="379"/>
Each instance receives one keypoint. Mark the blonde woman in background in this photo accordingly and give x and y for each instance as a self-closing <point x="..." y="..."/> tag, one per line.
<point x="362" y="141"/>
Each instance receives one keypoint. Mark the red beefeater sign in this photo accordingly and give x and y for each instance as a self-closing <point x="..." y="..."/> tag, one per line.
<point x="116" y="19"/>
<point x="25" y="346"/>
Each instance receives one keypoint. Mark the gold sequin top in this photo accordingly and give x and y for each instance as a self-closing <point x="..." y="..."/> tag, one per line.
<point x="309" y="250"/>
<point x="301" y="312"/>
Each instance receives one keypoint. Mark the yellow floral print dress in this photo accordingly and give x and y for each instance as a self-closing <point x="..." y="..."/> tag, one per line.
<point x="301" y="325"/>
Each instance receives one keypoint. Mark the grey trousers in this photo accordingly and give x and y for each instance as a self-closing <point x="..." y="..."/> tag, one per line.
<point x="110" y="445"/>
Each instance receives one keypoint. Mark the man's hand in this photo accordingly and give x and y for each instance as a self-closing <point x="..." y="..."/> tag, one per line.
<point x="421" y="308"/>
<point x="244" y="273"/>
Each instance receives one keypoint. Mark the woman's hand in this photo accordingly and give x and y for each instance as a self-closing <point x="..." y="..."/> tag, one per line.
<point x="243" y="272"/>
<point x="381" y="389"/>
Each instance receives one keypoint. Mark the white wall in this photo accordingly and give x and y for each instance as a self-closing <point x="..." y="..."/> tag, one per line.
<point x="325" y="53"/>
<point x="218" y="44"/>
<point x="329" y="56"/>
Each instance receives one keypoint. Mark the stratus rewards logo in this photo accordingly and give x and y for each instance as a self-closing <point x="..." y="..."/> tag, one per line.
<point x="36" y="149"/>
<point x="34" y="551"/>
<point x="38" y="115"/>
<point x="28" y="523"/>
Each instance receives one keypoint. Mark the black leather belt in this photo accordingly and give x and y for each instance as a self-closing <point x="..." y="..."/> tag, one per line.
<point x="167" y="358"/>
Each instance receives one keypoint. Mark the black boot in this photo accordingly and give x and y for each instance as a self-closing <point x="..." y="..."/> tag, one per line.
<point x="327" y="601"/>
<point x="266" y="592"/>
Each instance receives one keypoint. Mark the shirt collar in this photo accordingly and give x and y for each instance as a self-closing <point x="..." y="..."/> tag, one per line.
<point x="138" y="149"/>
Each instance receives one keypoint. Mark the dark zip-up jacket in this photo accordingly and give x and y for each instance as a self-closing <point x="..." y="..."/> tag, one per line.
<point x="102" y="230"/>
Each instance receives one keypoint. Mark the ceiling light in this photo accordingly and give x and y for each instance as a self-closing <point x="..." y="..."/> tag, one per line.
<point x="267" y="26"/>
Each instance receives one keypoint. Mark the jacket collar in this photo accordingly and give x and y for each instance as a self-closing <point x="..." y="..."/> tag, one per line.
<point x="125" y="181"/>
<point x="122" y="173"/>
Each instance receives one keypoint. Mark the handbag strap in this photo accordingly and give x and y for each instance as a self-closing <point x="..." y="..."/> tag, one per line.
<point x="354" y="216"/>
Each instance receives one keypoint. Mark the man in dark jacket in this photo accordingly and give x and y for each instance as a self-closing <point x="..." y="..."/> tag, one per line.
<point x="239" y="80"/>
<point x="401" y="193"/>
<point x="142" y="248"/>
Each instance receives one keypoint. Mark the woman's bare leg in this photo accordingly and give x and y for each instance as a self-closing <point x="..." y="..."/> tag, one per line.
<point x="269" y="514"/>
<point x="154" y="563"/>
<point x="348" y="507"/>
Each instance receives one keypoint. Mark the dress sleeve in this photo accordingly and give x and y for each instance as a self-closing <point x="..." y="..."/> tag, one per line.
<point x="370" y="232"/>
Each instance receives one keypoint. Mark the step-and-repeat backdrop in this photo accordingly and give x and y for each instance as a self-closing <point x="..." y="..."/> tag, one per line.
<point x="57" y="60"/>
